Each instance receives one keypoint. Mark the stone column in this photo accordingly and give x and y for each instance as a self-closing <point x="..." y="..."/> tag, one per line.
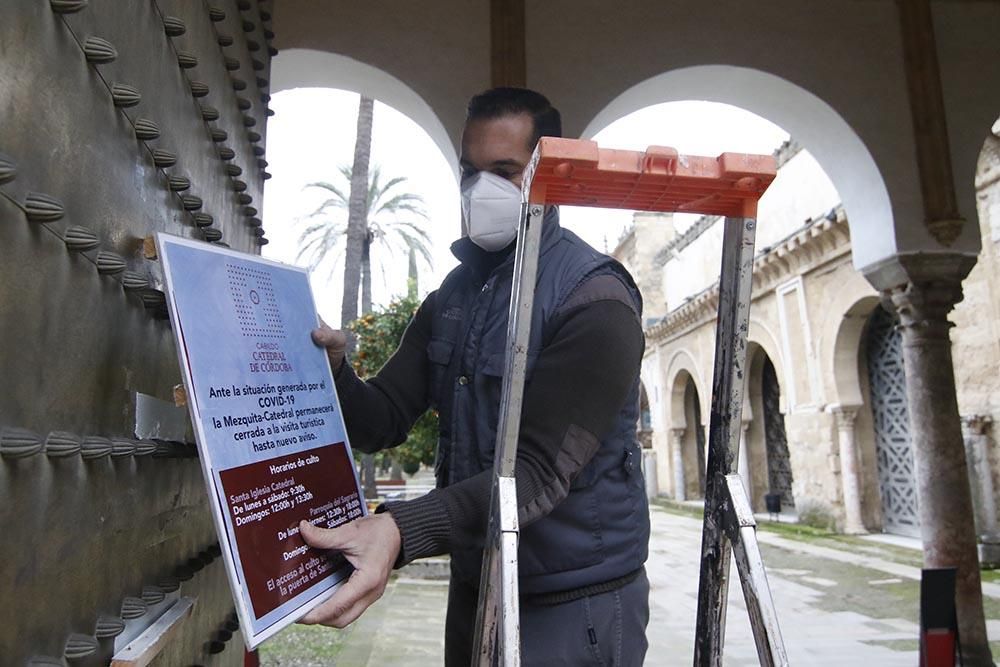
<point x="677" y="452"/>
<point x="977" y="445"/>
<point x="850" y="478"/>
<point x="946" y="520"/>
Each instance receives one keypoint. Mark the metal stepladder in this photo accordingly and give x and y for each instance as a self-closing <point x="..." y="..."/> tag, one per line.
<point x="577" y="172"/>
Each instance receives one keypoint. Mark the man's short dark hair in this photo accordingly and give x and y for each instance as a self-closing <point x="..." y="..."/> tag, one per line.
<point x="499" y="102"/>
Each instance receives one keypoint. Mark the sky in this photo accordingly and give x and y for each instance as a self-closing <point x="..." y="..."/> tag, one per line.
<point x="312" y="135"/>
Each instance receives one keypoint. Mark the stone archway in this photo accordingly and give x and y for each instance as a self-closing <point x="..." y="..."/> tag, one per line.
<point x="307" y="68"/>
<point x="688" y="441"/>
<point x="766" y="439"/>
<point x="809" y="119"/>
<point x="853" y="418"/>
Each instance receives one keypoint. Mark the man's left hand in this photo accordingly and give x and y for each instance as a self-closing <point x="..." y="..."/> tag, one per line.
<point x="371" y="545"/>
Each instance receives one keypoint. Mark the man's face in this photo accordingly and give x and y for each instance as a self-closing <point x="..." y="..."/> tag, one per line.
<point x="500" y="146"/>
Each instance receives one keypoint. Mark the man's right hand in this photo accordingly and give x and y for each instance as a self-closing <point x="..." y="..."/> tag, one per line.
<point x="334" y="340"/>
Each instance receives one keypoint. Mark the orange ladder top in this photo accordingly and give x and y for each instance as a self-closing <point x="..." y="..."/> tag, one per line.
<point x="577" y="172"/>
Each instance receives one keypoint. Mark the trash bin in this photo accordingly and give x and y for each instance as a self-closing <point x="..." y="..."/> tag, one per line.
<point x="773" y="503"/>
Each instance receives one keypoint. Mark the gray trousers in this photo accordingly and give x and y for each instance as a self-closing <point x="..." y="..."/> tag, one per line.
<point x="605" y="629"/>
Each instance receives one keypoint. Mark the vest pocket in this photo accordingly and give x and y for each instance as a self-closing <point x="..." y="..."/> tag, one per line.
<point x="567" y="539"/>
<point x="439" y="355"/>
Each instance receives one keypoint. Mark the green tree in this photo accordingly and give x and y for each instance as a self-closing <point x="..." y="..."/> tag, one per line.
<point x="379" y="334"/>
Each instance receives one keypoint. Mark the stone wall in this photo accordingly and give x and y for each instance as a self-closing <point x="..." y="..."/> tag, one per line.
<point x="809" y="315"/>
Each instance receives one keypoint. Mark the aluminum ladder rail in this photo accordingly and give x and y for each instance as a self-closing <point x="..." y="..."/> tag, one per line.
<point x="577" y="172"/>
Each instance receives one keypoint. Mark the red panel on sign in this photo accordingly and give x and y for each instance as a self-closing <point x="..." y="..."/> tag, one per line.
<point x="266" y="501"/>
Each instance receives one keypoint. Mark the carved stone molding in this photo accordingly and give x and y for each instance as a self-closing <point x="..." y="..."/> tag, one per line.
<point x="818" y="241"/>
<point x="845" y="416"/>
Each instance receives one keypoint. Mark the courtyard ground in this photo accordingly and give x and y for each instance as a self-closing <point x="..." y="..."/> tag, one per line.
<point x="840" y="600"/>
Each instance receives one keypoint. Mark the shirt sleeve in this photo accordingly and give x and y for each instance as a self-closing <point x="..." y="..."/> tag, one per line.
<point x="581" y="380"/>
<point x="379" y="413"/>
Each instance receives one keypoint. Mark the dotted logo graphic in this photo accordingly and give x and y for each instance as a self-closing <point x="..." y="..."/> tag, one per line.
<point x="254" y="301"/>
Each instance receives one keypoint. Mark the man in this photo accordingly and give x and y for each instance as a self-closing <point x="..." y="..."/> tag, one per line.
<point x="582" y="506"/>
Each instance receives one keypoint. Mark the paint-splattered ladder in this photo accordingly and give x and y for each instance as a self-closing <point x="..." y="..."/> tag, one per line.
<point x="577" y="172"/>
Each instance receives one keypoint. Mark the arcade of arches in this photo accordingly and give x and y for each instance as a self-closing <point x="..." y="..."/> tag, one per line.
<point x="893" y="98"/>
<point x="825" y="421"/>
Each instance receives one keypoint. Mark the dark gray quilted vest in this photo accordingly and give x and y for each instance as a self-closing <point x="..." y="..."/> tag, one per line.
<point x="601" y="530"/>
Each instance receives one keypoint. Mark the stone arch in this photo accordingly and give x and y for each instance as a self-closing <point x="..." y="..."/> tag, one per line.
<point x="761" y="336"/>
<point x="846" y="364"/>
<point x="813" y="123"/>
<point x="764" y="457"/>
<point x="688" y="439"/>
<point x="683" y="361"/>
<point x="308" y="68"/>
<point x="845" y="370"/>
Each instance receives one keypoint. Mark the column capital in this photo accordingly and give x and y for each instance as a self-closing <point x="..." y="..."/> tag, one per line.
<point x="924" y="307"/>
<point x="976" y="424"/>
<point x="920" y="269"/>
<point x="678" y="433"/>
<point x="845" y="415"/>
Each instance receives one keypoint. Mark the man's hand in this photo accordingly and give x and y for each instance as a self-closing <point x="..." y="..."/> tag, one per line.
<point x="334" y="340"/>
<point x="371" y="545"/>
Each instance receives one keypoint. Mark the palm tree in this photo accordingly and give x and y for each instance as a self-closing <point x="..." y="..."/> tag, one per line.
<point x="391" y="223"/>
<point x="372" y="217"/>
<point x="357" y="215"/>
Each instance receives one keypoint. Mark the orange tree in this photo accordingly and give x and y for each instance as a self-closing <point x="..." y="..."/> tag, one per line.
<point x="378" y="335"/>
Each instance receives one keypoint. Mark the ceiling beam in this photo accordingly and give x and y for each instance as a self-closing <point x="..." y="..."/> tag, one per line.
<point x="507" y="58"/>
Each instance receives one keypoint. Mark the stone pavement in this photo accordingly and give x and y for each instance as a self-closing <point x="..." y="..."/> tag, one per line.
<point x="837" y="606"/>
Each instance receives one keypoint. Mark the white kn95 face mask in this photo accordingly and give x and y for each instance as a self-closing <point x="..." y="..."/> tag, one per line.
<point x="491" y="209"/>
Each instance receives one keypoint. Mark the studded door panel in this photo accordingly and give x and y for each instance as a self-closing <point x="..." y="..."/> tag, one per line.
<point x="118" y="119"/>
